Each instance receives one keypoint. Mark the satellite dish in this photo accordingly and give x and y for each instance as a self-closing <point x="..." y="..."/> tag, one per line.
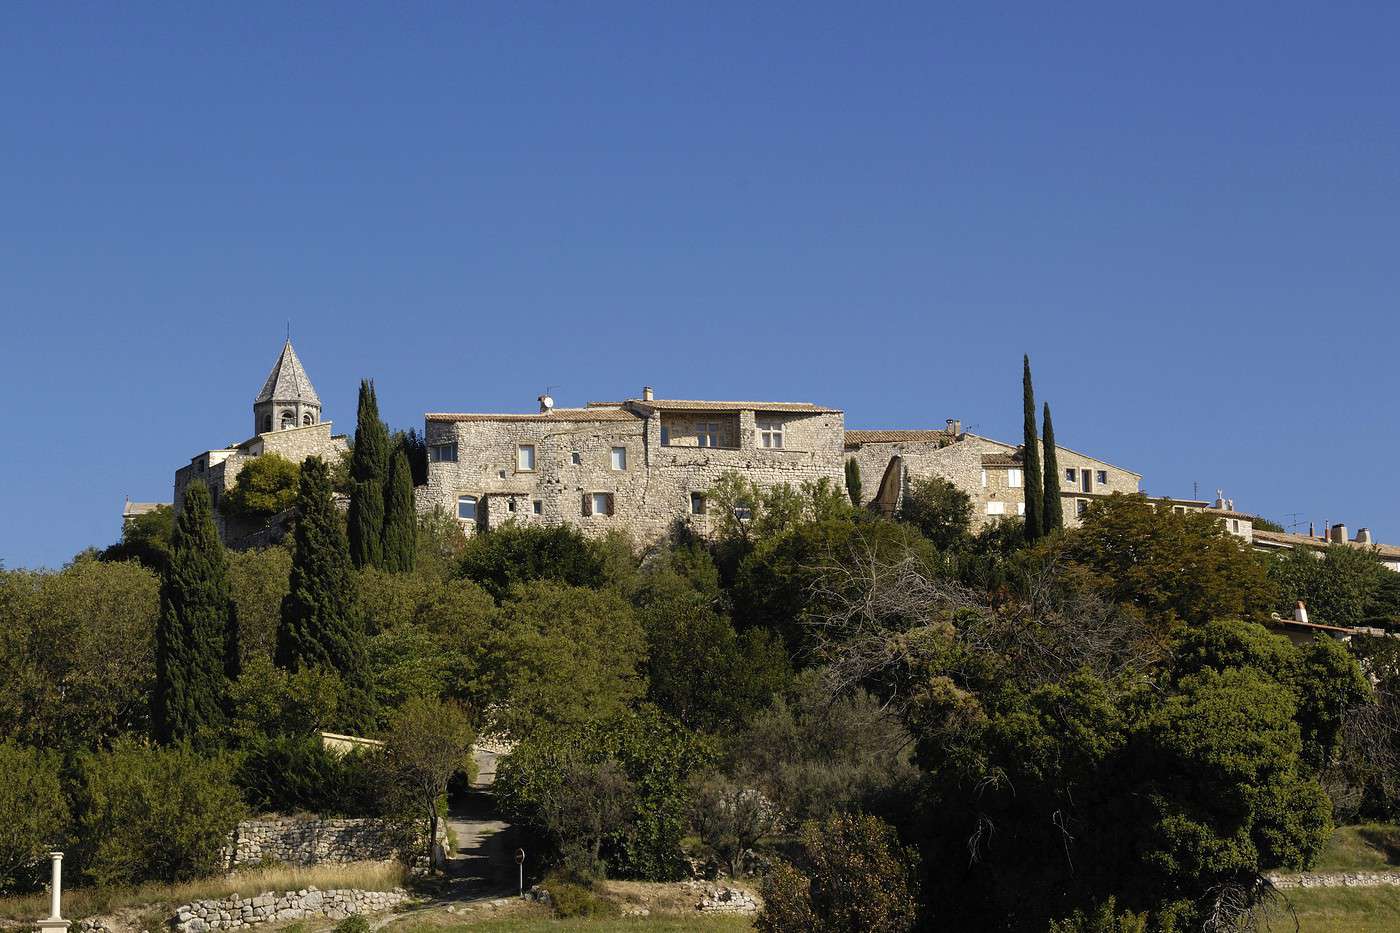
<point x="547" y="401"/>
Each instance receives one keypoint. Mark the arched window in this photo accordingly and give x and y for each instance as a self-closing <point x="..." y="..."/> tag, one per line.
<point x="466" y="508"/>
<point x="289" y="420"/>
<point x="267" y="423"/>
<point x="306" y="418"/>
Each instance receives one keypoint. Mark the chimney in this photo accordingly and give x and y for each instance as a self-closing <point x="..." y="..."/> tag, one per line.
<point x="1339" y="534"/>
<point x="954" y="426"/>
<point x="1300" y="612"/>
<point x="1221" y="505"/>
<point x="1312" y="531"/>
<point x="1363" y="536"/>
<point x="646" y="393"/>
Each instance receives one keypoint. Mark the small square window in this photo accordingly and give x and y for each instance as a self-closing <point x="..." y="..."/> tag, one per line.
<point x="619" y="458"/>
<point x="525" y="457"/>
<point x="1081" y="506"/>
<point x="576" y="458"/>
<point x="770" y="432"/>
<point x="538" y="507"/>
<point x="697" y="503"/>
<point x="1071" y="476"/>
<point x="1013" y="478"/>
<point x="1101" y="477"/>
<point x="600" y="503"/>
<point x="996" y="508"/>
<point x="443" y="453"/>
<point x="466" y="508"/>
<point x="510" y="504"/>
<point x="1020" y="508"/>
<point x="743" y="513"/>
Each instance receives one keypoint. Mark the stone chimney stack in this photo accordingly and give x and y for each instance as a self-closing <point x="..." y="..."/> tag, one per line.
<point x="1339" y="534"/>
<point x="1300" y="612"/>
<point x="647" y="393"/>
<point x="1363" y="536"/>
<point x="954" y="427"/>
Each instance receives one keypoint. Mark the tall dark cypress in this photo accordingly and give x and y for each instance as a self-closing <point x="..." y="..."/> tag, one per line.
<point x="1054" y="507"/>
<point x="319" y="627"/>
<point x="400" y="519"/>
<point x="853" y="488"/>
<point x="369" y="469"/>
<point x="197" y="633"/>
<point x="1030" y="474"/>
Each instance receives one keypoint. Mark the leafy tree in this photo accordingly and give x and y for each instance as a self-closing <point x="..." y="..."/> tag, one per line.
<point x="512" y="554"/>
<point x="1031" y="478"/>
<point x="400" y="518"/>
<point x="1339" y="589"/>
<point x="428" y="742"/>
<point x="940" y="511"/>
<point x="33" y="813"/>
<point x="1054" y="507"/>
<point x="853" y="877"/>
<point x="320" y="627"/>
<point x="76" y="653"/>
<point x="415" y="448"/>
<point x="1171" y="565"/>
<point x="270" y="701"/>
<point x="1264" y="524"/>
<point x="152" y="814"/>
<point x="440" y="545"/>
<point x="298" y="774"/>
<point x="853" y="487"/>
<point x="265" y="486"/>
<point x="369" y="471"/>
<point x="145" y="539"/>
<point x="609" y="793"/>
<point x="258" y="582"/>
<point x="731" y="818"/>
<point x="197" y="637"/>
<point x="567" y="655"/>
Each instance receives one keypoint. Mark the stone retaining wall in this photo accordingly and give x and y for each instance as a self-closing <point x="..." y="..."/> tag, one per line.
<point x="233" y="912"/>
<point x="1337" y="879"/>
<point x="311" y="841"/>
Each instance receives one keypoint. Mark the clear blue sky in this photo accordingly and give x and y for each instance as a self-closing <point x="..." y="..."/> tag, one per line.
<point x="1187" y="215"/>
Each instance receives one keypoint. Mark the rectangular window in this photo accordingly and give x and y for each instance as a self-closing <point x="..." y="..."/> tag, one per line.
<point x="984" y="479"/>
<point x="1013" y="478"/>
<point x="743" y="513"/>
<point x="1235" y="525"/>
<point x="576" y="458"/>
<point x="598" y="503"/>
<point x="443" y="453"/>
<point x="665" y="436"/>
<point x="1081" y="506"/>
<point x="619" y="458"/>
<point x="510" y="504"/>
<point x="1020" y="508"/>
<point x="525" y="457"/>
<point x="996" y="508"/>
<point x="466" y="508"/>
<point x="1071" y="476"/>
<point x="697" y="503"/>
<point x="1086" y="481"/>
<point x="538" y="507"/>
<point x="707" y="433"/>
<point x="770" y="432"/>
<point x="1101" y="477"/>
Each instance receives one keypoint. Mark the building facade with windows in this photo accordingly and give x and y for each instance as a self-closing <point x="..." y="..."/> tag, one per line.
<point x="639" y="465"/>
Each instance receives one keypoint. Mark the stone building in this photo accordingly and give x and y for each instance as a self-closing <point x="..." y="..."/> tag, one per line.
<point x="641" y="464"/>
<point x="286" y="421"/>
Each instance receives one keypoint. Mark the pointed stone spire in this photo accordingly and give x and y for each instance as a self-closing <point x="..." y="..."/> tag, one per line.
<point x="287" y="399"/>
<point x="288" y="381"/>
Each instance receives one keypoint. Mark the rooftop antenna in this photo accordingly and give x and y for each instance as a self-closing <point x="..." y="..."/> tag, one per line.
<point x="1297" y="520"/>
<point x="1195" y="490"/>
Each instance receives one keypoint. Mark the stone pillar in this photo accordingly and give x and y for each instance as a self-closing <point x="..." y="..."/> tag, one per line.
<point x="55" y="923"/>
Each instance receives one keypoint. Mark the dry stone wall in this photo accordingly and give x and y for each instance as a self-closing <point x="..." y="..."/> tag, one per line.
<point x="230" y="913"/>
<point x="295" y="841"/>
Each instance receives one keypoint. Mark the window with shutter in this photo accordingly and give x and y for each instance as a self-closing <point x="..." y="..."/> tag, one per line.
<point x="587" y="504"/>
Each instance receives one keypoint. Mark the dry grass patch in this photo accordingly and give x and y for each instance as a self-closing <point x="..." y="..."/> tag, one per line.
<point x="88" y="902"/>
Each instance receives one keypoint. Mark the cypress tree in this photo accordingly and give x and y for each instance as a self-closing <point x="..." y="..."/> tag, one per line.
<point x="197" y="633"/>
<point x="1054" y="506"/>
<point x="319" y="627"/>
<point x="400" y="519"/>
<point x="369" y="469"/>
<point x="1030" y="473"/>
<point x="853" y="481"/>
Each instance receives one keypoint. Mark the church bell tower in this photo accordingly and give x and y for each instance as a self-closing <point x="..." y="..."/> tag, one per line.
<point x="287" y="399"/>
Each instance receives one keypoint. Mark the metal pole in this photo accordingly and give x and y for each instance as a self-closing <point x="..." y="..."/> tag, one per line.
<point x="522" y="879"/>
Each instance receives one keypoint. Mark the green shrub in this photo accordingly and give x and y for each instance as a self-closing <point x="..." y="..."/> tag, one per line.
<point x="1104" y="919"/>
<point x="32" y="814"/>
<point x="515" y="554"/>
<point x="152" y="814"/>
<point x="290" y="774"/>
<point x="575" y="899"/>
<point x="852" y="876"/>
<point x="352" y="924"/>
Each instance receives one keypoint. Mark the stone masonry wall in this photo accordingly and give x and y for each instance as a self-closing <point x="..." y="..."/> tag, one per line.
<point x="233" y="912"/>
<point x="311" y="841"/>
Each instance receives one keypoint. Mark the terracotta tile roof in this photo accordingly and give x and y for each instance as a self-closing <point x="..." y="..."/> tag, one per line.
<point x="677" y="404"/>
<point x="896" y="437"/>
<point x="1286" y="539"/>
<point x="1006" y="460"/>
<point x="133" y="509"/>
<point x="556" y="414"/>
